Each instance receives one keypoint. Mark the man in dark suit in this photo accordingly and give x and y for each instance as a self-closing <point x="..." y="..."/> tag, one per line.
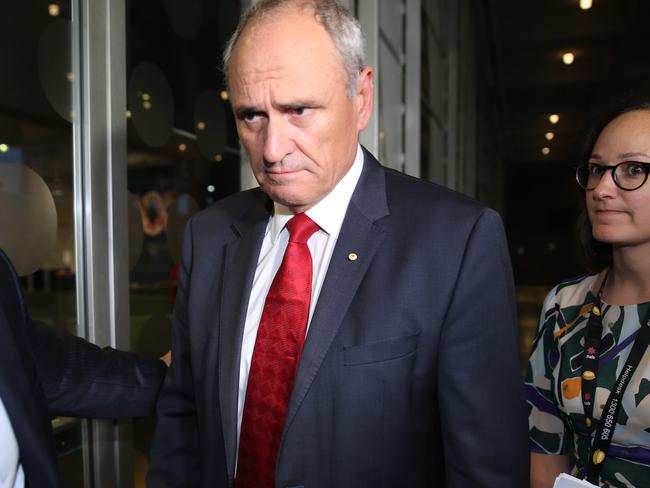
<point x="409" y="375"/>
<point x="45" y="372"/>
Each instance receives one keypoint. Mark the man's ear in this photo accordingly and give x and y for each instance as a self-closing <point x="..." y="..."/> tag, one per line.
<point x="365" y="96"/>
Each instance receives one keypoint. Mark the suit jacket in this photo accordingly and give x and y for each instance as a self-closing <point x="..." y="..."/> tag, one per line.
<point x="45" y="372"/>
<point x="409" y="374"/>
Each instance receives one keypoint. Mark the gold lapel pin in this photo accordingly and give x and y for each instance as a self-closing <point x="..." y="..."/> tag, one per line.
<point x="353" y="256"/>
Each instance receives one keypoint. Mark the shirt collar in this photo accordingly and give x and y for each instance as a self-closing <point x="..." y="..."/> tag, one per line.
<point x="330" y="211"/>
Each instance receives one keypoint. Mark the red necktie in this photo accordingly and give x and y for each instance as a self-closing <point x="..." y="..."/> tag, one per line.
<point x="275" y="359"/>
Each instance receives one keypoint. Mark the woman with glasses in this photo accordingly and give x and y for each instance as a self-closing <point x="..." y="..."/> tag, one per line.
<point x="588" y="379"/>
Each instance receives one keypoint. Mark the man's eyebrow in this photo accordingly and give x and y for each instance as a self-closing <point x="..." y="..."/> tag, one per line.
<point x="289" y="105"/>
<point x="242" y="110"/>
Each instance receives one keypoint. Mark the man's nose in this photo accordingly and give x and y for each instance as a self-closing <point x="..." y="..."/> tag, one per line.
<point x="278" y="140"/>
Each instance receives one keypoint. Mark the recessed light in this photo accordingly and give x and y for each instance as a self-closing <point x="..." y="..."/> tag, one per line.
<point x="554" y="118"/>
<point x="568" y="58"/>
<point x="549" y="136"/>
<point x="546" y="151"/>
<point x="53" y="9"/>
<point x="585" y="4"/>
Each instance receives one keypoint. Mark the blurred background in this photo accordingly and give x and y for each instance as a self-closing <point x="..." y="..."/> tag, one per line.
<point x="115" y="127"/>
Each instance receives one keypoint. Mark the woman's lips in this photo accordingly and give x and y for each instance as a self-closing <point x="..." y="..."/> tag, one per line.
<point x="609" y="213"/>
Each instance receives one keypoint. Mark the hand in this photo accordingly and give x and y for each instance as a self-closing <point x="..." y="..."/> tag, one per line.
<point x="167" y="358"/>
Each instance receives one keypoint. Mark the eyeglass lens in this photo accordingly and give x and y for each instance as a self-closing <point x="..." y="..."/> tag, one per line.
<point x="627" y="175"/>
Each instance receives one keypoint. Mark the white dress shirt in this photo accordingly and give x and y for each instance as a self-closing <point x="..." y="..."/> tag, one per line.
<point x="11" y="472"/>
<point x="328" y="214"/>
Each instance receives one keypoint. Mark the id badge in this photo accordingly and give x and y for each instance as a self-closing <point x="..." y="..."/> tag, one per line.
<point x="568" y="481"/>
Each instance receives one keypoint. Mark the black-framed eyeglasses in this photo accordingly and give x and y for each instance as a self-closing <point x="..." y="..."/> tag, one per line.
<point x="628" y="175"/>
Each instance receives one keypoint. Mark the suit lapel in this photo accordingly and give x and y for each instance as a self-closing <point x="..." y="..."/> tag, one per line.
<point x="361" y="234"/>
<point x="240" y="262"/>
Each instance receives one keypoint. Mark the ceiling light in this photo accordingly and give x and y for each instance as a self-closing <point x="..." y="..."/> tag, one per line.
<point x="211" y="188"/>
<point x="546" y="151"/>
<point x="128" y="114"/>
<point x="568" y="58"/>
<point x="200" y="125"/>
<point x="182" y="147"/>
<point x="549" y="136"/>
<point x="53" y="9"/>
<point x="218" y="157"/>
<point x="585" y="4"/>
<point x="554" y="118"/>
<point x="224" y="95"/>
<point x="4" y="148"/>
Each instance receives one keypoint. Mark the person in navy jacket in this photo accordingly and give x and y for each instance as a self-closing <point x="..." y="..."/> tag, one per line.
<point x="409" y="372"/>
<point x="46" y="371"/>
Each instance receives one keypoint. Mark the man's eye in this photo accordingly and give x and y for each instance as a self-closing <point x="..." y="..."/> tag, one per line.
<point x="298" y="111"/>
<point x="249" y="116"/>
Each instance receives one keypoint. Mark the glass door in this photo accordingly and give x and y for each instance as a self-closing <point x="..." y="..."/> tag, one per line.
<point x="37" y="222"/>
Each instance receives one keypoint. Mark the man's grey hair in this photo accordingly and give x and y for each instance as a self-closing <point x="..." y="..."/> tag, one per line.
<point x="343" y="28"/>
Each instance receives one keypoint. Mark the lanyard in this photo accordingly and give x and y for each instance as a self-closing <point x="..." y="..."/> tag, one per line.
<point x="590" y="355"/>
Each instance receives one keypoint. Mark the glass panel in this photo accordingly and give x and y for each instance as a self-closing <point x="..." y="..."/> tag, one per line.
<point x="36" y="176"/>
<point x="183" y="155"/>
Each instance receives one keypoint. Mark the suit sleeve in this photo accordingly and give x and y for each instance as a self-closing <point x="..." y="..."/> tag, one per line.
<point x="175" y="447"/>
<point x="77" y="377"/>
<point x="81" y="379"/>
<point x="480" y="389"/>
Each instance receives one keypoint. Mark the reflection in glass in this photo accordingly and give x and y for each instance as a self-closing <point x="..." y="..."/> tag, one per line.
<point x="185" y="17"/>
<point x="153" y="213"/>
<point x="135" y="230"/>
<point x="210" y="122"/>
<point x="55" y="66"/>
<point x="183" y="207"/>
<point x="151" y="104"/>
<point x="28" y="218"/>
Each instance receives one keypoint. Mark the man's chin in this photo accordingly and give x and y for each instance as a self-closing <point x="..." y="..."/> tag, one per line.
<point x="295" y="202"/>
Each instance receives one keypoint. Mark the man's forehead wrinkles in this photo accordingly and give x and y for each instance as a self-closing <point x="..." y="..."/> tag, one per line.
<point x="267" y="69"/>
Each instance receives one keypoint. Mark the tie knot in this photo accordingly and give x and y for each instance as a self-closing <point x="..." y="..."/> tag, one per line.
<point x="301" y="228"/>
